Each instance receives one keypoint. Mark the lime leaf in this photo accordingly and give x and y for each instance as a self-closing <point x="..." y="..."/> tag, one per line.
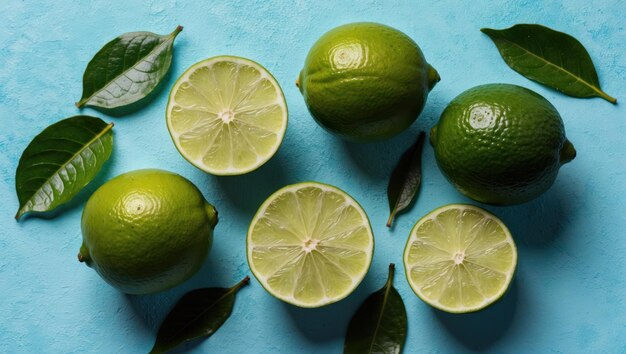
<point x="198" y="314"/>
<point x="127" y="69"/>
<point x="549" y="57"/>
<point x="380" y="324"/>
<point x="405" y="179"/>
<point x="60" y="161"/>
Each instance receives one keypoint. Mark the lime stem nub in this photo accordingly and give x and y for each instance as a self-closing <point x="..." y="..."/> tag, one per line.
<point x="433" y="136"/>
<point x="433" y="77"/>
<point x="212" y="213"/>
<point x="568" y="152"/>
<point x="83" y="255"/>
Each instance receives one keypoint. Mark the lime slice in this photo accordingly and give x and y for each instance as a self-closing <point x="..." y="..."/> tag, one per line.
<point x="310" y="244"/>
<point x="460" y="258"/>
<point x="227" y="115"/>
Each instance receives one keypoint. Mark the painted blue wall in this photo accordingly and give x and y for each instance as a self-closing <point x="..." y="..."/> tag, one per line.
<point x="569" y="293"/>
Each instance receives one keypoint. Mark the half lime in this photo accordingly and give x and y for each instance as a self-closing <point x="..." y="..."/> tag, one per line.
<point x="310" y="244"/>
<point x="227" y="115"/>
<point x="460" y="258"/>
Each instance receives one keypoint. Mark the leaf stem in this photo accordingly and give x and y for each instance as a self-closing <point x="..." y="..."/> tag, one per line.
<point x="81" y="103"/>
<point x="604" y="95"/>
<point x="392" y="271"/>
<point x="245" y="281"/>
<point x="177" y="31"/>
<point x="390" y="220"/>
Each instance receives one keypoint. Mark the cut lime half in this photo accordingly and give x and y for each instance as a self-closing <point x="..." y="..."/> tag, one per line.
<point x="310" y="244"/>
<point x="227" y="115"/>
<point x="460" y="258"/>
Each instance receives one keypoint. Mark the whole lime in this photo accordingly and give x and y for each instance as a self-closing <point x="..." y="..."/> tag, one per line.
<point x="146" y="231"/>
<point x="366" y="81"/>
<point x="501" y="144"/>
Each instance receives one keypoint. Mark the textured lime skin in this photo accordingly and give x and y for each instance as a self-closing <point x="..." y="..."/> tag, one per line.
<point x="146" y="231"/>
<point x="501" y="144"/>
<point x="366" y="81"/>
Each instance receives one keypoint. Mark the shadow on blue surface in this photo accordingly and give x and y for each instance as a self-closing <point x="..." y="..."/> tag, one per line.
<point x="377" y="160"/>
<point x="539" y="222"/>
<point x="153" y="308"/>
<point x="479" y="330"/>
<point x="247" y="192"/>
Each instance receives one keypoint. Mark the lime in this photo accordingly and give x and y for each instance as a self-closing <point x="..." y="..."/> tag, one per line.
<point x="310" y="244"/>
<point x="366" y="81"/>
<point x="227" y="115"/>
<point x="146" y="231"/>
<point x="501" y="144"/>
<point x="460" y="258"/>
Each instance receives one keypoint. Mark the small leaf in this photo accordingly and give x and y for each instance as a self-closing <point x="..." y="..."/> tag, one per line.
<point x="548" y="57"/>
<point x="198" y="314"/>
<point x="380" y="324"/>
<point x="405" y="179"/>
<point x="127" y="69"/>
<point x="60" y="161"/>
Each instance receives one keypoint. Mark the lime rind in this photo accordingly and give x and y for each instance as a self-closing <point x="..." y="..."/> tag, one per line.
<point x="229" y="128"/>
<point x="497" y="261"/>
<point x="303" y="288"/>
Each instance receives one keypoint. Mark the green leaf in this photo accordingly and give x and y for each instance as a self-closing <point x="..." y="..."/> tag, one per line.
<point x="127" y="69"/>
<point x="198" y="314"/>
<point x="60" y="161"/>
<point x="548" y="57"/>
<point x="380" y="324"/>
<point x="405" y="179"/>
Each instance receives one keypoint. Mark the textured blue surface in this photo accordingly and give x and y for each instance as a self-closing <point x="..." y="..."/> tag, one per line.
<point x="569" y="292"/>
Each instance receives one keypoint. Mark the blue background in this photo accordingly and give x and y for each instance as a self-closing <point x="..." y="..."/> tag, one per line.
<point x="569" y="292"/>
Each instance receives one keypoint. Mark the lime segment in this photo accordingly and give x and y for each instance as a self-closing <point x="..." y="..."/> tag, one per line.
<point x="227" y="115"/>
<point x="460" y="258"/>
<point x="310" y="244"/>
